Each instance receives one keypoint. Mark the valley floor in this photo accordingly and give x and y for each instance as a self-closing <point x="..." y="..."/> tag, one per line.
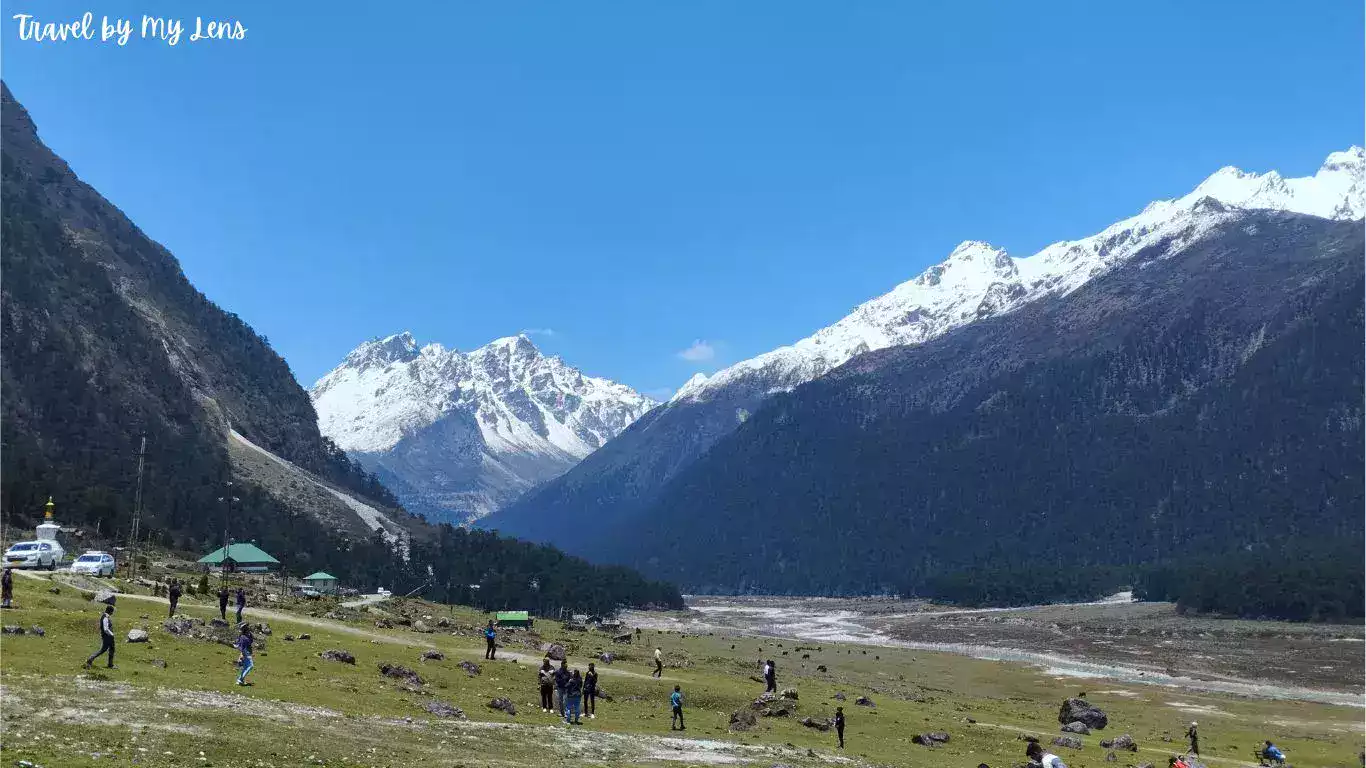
<point x="171" y="701"/>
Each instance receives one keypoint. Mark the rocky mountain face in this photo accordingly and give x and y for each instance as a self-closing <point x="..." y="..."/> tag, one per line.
<point x="106" y="341"/>
<point x="1202" y="397"/>
<point x="976" y="282"/>
<point x="459" y="434"/>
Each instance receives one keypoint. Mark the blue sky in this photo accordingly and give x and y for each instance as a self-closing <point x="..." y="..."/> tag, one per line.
<point x="664" y="187"/>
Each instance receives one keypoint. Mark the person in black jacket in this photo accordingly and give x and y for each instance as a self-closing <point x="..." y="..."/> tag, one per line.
<point x="770" y="677"/>
<point x="106" y="638"/>
<point x="573" y="698"/>
<point x="590" y="692"/>
<point x="546" y="678"/>
<point x="1194" y="737"/>
<point x="7" y="588"/>
<point x="839" y="724"/>
<point x="174" y="594"/>
<point x="241" y="603"/>
<point x="561" y="683"/>
<point x="223" y="603"/>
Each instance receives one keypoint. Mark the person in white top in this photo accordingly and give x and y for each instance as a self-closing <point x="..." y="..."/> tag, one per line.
<point x="659" y="664"/>
<point x="1036" y="754"/>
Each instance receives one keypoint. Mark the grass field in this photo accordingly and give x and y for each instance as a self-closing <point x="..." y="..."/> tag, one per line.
<point x="303" y="710"/>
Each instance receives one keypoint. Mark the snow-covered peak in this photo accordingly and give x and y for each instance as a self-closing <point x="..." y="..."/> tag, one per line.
<point x="381" y="352"/>
<point x="978" y="280"/>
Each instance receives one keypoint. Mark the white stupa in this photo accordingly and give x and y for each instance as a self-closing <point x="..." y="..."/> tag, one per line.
<point x="47" y="530"/>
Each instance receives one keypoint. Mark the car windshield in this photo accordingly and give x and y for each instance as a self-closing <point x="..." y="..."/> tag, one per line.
<point x="26" y="547"/>
<point x="88" y="559"/>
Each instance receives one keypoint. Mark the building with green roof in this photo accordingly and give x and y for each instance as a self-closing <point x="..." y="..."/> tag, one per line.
<point x="240" y="556"/>
<point x="322" y="581"/>
<point x="514" y="619"/>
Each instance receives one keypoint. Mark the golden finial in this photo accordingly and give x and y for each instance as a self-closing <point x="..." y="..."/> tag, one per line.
<point x="47" y="515"/>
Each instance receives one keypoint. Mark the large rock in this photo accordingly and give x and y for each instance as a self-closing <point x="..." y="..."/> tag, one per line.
<point x="137" y="636"/>
<point x="181" y="626"/>
<point x="743" y="719"/>
<point x="931" y="739"/>
<point x="421" y="626"/>
<point x="555" y="651"/>
<point x="819" y="723"/>
<point x="626" y="638"/>
<point x="1076" y="726"/>
<point x="10" y="629"/>
<point x="864" y="701"/>
<point x="1071" y="742"/>
<point x="1121" y="742"/>
<point x="770" y="705"/>
<point x="108" y="597"/>
<point x="443" y="709"/>
<point x="433" y="656"/>
<point x="607" y="657"/>
<point x="335" y="654"/>
<point x="399" y="672"/>
<point x="503" y="704"/>
<point x="789" y="693"/>
<point x="470" y="668"/>
<point x="1080" y="710"/>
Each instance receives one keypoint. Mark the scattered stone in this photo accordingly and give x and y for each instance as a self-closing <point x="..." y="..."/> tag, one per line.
<point x="421" y="626"/>
<point x="607" y="657"/>
<point x="158" y="663"/>
<point x="503" y="704"/>
<point x="743" y="719"/>
<point x="105" y="596"/>
<point x="399" y="672"/>
<point x="1121" y="742"/>
<point x="1071" y="742"/>
<point x="864" y="701"/>
<point x="433" y="656"/>
<point x="555" y="651"/>
<point x="1076" y="726"/>
<point x="137" y="636"/>
<point x="263" y="629"/>
<point x="55" y="590"/>
<point x="289" y="638"/>
<point x="789" y="693"/>
<point x="12" y="630"/>
<point x="305" y="636"/>
<point x="37" y="630"/>
<point x="770" y="705"/>
<point x="442" y="709"/>
<point x="1081" y="710"/>
<point x="840" y="696"/>
<point x="822" y="668"/>
<point x="180" y="625"/>
<point x="338" y="655"/>
<point x="819" y="723"/>
<point x="218" y="623"/>
<point x="1110" y="757"/>
<point x="932" y="739"/>
<point x="443" y="622"/>
<point x="626" y="638"/>
<point x="384" y="624"/>
<point x="470" y="668"/>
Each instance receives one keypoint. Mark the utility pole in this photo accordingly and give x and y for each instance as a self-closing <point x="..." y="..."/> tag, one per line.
<point x="137" y="511"/>
<point x="227" y="514"/>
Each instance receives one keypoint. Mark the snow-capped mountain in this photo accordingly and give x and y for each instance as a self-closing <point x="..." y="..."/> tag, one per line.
<point x="978" y="280"/>
<point x="613" y="486"/>
<point x="458" y="434"/>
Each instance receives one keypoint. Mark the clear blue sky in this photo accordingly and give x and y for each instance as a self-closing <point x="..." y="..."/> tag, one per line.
<point x="640" y="175"/>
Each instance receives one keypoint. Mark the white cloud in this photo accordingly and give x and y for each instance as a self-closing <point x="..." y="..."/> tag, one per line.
<point x="700" y="352"/>
<point x="539" y="331"/>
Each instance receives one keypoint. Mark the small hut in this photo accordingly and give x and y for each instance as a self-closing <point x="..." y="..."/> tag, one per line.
<point x="240" y="557"/>
<point x="322" y="581"/>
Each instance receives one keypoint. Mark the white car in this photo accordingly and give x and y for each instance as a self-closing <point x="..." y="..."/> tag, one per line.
<point x="94" y="563"/>
<point x="34" y="554"/>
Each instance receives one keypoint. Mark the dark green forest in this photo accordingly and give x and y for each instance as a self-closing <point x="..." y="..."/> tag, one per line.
<point x="105" y="342"/>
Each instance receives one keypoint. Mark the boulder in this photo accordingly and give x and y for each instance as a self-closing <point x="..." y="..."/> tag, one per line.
<point x="108" y="597"/>
<point x="443" y="622"/>
<point x="840" y="696"/>
<point x="433" y="656"/>
<point x="334" y="654"/>
<point x="1120" y="742"/>
<point x="1110" y="757"/>
<point x="305" y="636"/>
<point x="399" y="672"/>
<point x="289" y="638"/>
<point x="819" y="723"/>
<point x="864" y="701"/>
<point x="55" y="590"/>
<point x="789" y="693"/>
<point x="137" y="636"/>
<point x="555" y="651"/>
<point x="503" y="704"/>
<point x="769" y="705"/>
<point x="1076" y="726"/>
<point x="743" y="719"/>
<point x="626" y="638"/>
<point x="421" y="626"/>
<point x="12" y="630"/>
<point x="607" y="657"/>
<point x="1080" y="710"/>
<point x="384" y="624"/>
<point x="443" y="709"/>
<point x="470" y="668"/>
<point x="1071" y="742"/>
<point x="180" y="626"/>
<point x="220" y="623"/>
<point x="822" y="668"/>
<point x="37" y="630"/>
<point x="932" y="739"/>
<point x="158" y="663"/>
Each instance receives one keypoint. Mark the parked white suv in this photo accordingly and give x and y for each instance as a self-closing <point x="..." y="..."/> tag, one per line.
<point x="34" y="554"/>
<point x="94" y="563"/>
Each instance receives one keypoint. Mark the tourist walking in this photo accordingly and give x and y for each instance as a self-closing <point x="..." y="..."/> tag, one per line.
<point x="241" y="603"/>
<point x="839" y="724"/>
<point x="223" y="603"/>
<point x="546" y="677"/>
<point x="174" y="593"/>
<point x="1194" y="737"/>
<point x="770" y="677"/>
<point x="490" y="641"/>
<point x="590" y="692"/>
<point x="7" y="588"/>
<point x="245" y="661"/>
<point x="659" y="664"/>
<point x="561" y="683"/>
<point x="676" y="703"/>
<point x="106" y="638"/>
<point x="573" y="693"/>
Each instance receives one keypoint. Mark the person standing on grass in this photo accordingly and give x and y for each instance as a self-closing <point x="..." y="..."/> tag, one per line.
<point x="106" y="638"/>
<point x="590" y="692"/>
<point x="561" y="683"/>
<point x="676" y="703"/>
<point x="245" y="661"/>
<point x="839" y="724"/>
<point x="573" y="693"/>
<point x="241" y="603"/>
<point x="223" y="603"/>
<point x="7" y="589"/>
<point x="659" y="664"/>
<point x="1194" y="738"/>
<point x="490" y="640"/>
<point x="546" y="677"/>
<point x="770" y="678"/>
<point x="174" y="593"/>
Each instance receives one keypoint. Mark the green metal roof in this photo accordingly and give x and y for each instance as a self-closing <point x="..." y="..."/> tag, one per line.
<point x="513" y="616"/>
<point x="320" y="576"/>
<point x="239" y="553"/>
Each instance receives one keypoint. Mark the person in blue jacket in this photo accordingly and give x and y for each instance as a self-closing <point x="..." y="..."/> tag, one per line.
<point x="676" y="702"/>
<point x="491" y="640"/>
<point x="243" y="646"/>
<point x="1273" y="753"/>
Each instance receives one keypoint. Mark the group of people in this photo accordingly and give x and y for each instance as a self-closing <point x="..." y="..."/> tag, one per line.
<point x="567" y="693"/>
